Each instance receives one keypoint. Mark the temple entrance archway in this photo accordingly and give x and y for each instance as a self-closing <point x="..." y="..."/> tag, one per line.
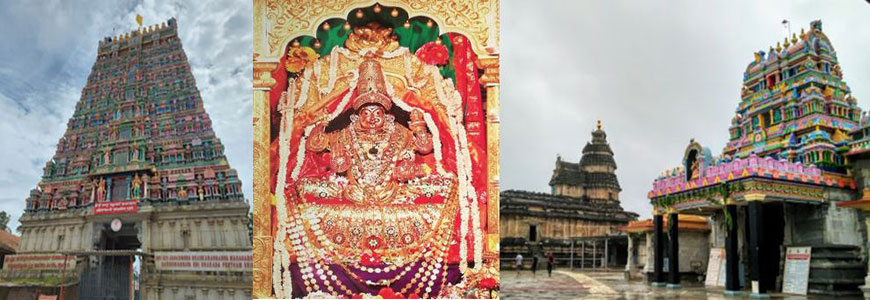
<point x="109" y="270"/>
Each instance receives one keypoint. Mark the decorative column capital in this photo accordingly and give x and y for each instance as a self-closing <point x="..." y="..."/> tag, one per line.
<point x="263" y="73"/>
<point x="490" y="66"/>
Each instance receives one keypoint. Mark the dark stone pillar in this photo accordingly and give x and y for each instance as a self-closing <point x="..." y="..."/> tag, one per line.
<point x="674" y="257"/>
<point x="755" y="239"/>
<point x="659" y="260"/>
<point x="732" y="254"/>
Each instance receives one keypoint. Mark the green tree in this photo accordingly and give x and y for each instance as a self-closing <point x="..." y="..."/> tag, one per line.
<point x="4" y="221"/>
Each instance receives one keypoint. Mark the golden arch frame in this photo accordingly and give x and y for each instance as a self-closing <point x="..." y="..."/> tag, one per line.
<point x="278" y="22"/>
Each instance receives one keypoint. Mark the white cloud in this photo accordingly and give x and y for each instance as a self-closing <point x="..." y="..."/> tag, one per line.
<point x="656" y="73"/>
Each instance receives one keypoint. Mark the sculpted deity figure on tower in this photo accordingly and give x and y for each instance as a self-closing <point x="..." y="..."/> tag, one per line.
<point x="137" y="183"/>
<point x="101" y="190"/>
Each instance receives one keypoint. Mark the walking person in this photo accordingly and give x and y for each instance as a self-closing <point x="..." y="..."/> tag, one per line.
<point x="534" y="264"/>
<point x="551" y="261"/>
<point x="519" y="263"/>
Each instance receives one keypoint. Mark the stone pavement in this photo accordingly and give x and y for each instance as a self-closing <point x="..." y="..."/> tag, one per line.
<point x="566" y="284"/>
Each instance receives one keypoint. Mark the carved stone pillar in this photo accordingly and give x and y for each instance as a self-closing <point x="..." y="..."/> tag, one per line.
<point x="659" y="249"/>
<point x="262" y="243"/>
<point x="490" y="79"/>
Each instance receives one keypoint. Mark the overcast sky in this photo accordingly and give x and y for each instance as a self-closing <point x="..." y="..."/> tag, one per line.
<point x="46" y="54"/>
<point x="657" y="73"/>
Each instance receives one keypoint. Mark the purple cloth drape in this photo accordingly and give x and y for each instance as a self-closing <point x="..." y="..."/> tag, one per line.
<point x="453" y="277"/>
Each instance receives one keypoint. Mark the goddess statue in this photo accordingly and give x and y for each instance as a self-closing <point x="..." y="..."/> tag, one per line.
<point x="374" y="156"/>
<point x="374" y="184"/>
<point x="379" y="208"/>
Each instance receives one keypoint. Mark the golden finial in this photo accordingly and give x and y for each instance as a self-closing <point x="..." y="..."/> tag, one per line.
<point x="794" y="38"/>
<point x="778" y="47"/>
<point x="377" y="8"/>
<point x="786" y="43"/>
<point x="599" y="124"/>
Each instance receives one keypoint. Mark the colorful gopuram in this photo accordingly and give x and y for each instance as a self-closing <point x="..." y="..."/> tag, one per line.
<point x="138" y="175"/>
<point x="776" y="183"/>
<point x="578" y="221"/>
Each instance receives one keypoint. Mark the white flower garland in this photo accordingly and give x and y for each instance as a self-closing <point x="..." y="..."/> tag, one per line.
<point x="333" y="71"/>
<point x="409" y="77"/>
<point x="463" y="164"/>
<point x="282" y="283"/>
<point x="303" y="91"/>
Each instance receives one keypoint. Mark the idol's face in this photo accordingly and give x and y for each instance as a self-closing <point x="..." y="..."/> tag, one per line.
<point x="371" y="117"/>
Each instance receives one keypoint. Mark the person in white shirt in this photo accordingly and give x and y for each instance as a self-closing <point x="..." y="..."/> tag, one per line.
<point x="519" y="263"/>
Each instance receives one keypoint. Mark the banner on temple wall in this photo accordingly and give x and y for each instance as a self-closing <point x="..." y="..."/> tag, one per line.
<point x="796" y="273"/>
<point x="51" y="261"/>
<point x="240" y="261"/>
<point x="109" y="208"/>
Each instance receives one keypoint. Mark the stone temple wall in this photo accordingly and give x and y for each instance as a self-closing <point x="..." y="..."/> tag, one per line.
<point x="694" y="251"/>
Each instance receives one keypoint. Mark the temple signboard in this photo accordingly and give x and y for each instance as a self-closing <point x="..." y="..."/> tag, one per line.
<point x="797" y="270"/>
<point x="714" y="265"/>
<point x="204" y="261"/>
<point x="51" y="261"/>
<point x="109" y="208"/>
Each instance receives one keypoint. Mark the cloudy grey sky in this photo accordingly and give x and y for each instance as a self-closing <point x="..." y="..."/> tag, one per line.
<point x="48" y="48"/>
<point x="657" y="73"/>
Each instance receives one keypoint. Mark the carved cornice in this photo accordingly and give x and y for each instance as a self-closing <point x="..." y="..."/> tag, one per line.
<point x="285" y="20"/>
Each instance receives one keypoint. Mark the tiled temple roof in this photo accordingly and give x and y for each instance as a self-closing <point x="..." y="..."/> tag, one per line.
<point x="8" y="242"/>
<point x="590" y="147"/>
<point x="551" y="206"/>
<point x="595" y="159"/>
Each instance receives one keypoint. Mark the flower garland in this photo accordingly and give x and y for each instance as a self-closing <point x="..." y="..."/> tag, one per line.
<point x="282" y="283"/>
<point x="409" y="78"/>
<point x="466" y="189"/>
<point x="332" y="76"/>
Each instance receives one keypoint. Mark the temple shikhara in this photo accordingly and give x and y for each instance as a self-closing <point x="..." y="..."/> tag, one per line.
<point x="578" y="221"/>
<point x="376" y="149"/>
<point x="138" y="176"/>
<point x="779" y="193"/>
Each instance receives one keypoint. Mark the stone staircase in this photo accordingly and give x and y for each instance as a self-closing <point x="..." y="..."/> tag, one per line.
<point x="836" y="270"/>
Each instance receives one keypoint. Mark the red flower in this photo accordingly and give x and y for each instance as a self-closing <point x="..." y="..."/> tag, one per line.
<point x="388" y="293"/>
<point x="370" y="260"/>
<point x="432" y="54"/>
<point x="488" y="283"/>
<point x="373" y="242"/>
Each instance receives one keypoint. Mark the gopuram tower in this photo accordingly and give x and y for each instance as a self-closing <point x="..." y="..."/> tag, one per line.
<point x="139" y="197"/>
